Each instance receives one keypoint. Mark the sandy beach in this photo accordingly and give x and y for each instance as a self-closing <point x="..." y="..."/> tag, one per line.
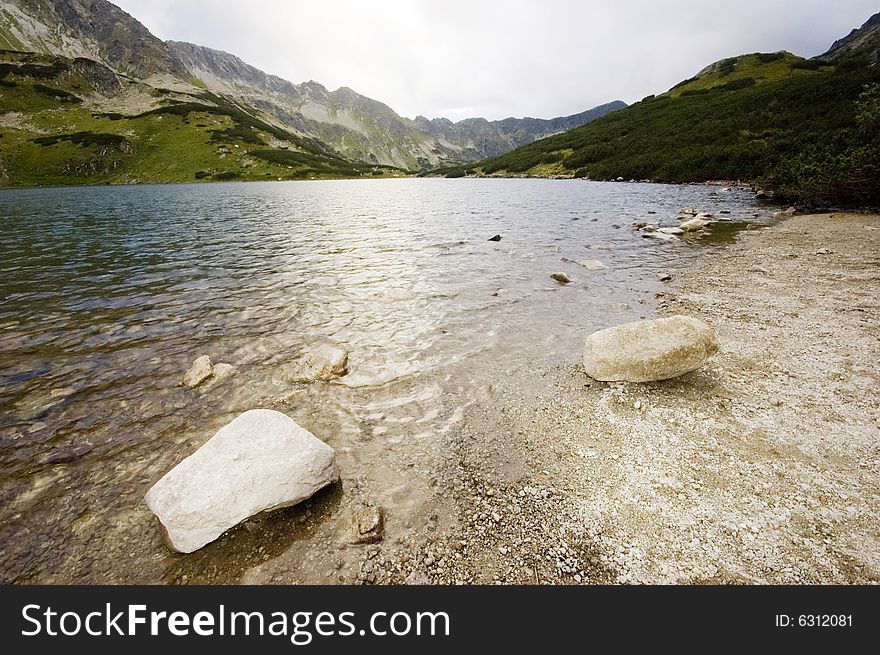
<point x="762" y="467"/>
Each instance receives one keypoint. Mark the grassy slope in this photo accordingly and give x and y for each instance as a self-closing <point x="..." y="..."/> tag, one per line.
<point x="207" y="139"/>
<point x="747" y="122"/>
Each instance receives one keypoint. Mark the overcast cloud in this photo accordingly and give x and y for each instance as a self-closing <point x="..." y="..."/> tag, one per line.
<point x="493" y="58"/>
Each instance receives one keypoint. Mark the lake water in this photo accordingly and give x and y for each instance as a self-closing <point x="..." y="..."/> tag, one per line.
<point x="108" y="294"/>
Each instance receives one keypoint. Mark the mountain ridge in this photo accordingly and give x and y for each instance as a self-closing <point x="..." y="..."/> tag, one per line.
<point x="358" y="128"/>
<point x="809" y="129"/>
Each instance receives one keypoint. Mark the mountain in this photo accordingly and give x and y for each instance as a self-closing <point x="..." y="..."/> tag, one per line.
<point x="362" y="128"/>
<point x="95" y="61"/>
<point x="864" y="41"/>
<point x="807" y="128"/>
<point x="95" y="29"/>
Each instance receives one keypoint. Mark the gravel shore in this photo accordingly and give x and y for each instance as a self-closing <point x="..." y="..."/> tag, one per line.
<point x="762" y="467"/>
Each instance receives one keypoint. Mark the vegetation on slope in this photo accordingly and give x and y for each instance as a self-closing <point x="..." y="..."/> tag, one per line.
<point x="802" y="127"/>
<point x="52" y="134"/>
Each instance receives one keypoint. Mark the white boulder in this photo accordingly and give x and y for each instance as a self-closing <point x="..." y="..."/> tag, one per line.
<point x="647" y="351"/>
<point x="693" y="225"/>
<point x="261" y="461"/>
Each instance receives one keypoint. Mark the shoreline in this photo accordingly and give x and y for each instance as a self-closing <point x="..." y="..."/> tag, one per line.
<point x="761" y="467"/>
<point x="512" y="466"/>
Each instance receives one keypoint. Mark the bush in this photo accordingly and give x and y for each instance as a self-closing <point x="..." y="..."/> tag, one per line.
<point x="86" y="139"/>
<point x="809" y="64"/>
<point x="59" y="94"/>
<point x="736" y="85"/>
<point x="768" y="57"/>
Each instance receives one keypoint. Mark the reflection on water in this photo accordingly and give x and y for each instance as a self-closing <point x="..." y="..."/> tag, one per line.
<point x="108" y="294"/>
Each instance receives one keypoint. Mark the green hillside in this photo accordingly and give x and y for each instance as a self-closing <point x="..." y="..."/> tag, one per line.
<point x="55" y="129"/>
<point x="806" y="128"/>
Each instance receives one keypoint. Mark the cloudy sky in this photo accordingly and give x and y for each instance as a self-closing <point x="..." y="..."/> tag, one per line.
<point x="494" y="58"/>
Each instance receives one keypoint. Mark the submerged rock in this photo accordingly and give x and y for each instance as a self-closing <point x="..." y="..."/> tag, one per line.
<point x="671" y="230"/>
<point x="562" y="278"/>
<point x="38" y="403"/>
<point x="261" y="461"/>
<point x="200" y="371"/>
<point x="592" y="264"/>
<point x="647" y="351"/>
<point x="320" y="364"/>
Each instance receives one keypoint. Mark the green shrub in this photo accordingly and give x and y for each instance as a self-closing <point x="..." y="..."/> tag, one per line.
<point x="768" y="57"/>
<point x="86" y="139"/>
<point x="59" y="94"/>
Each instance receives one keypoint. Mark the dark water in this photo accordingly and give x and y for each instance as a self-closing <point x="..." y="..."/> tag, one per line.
<point x="108" y="294"/>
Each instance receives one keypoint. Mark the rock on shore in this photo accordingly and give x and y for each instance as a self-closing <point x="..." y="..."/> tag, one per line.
<point x="648" y="351"/>
<point x="261" y="461"/>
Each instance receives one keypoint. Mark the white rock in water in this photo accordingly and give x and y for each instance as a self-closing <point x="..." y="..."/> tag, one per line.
<point x="647" y="351"/>
<point x="591" y="264"/>
<point x="671" y="230"/>
<point x="260" y="461"/>
<point x="322" y="363"/>
<point x="693" y="225"/>
<point x="200" y="371"/>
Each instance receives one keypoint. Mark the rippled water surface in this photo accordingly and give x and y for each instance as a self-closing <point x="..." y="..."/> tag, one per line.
<point x="108" y="294"/>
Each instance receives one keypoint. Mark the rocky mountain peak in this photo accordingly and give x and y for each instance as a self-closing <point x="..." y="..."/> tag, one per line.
<point x="864" y="40"/>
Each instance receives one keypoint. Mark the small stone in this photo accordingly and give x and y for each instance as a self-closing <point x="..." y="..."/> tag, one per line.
<point x="200" y="371"/>
<point x="496" y="238"/>
<point x="823" y="251"/>
<point x="562" y="278"/>
<point x="591" y="264"/>
<point x="664" y="277"/>
<point x="758" y="269"/>
<point x="367" y="525"/>
<point x="693" y="225"/>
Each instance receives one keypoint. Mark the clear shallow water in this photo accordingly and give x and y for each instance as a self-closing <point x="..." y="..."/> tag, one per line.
<point x="107" y="295"/>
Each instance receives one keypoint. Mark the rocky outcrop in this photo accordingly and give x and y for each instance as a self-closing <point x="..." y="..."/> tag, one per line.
<point x="648" y="351"/>
<point x="259" y="462"/>
<point x="864" y="40"/>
